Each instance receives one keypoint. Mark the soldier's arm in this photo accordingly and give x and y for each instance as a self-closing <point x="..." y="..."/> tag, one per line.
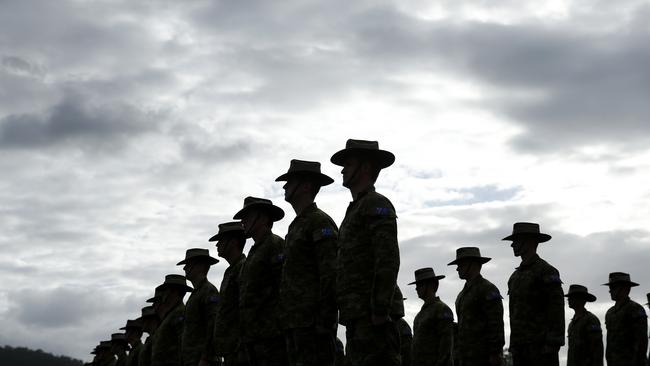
<point x="595" y="342"/>
<point x="325" y="235"/>
<point x="445" y="330"/>
<point x="382" y="225"/>
<point x="639" y="325"/>
<point x="210" y="307"/>
<point x="494" y="317"/>
<point x="554" y="309"/>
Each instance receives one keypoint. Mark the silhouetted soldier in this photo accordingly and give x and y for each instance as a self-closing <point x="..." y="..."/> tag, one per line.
<point x="479" y="309"/>
<point x="166" y="348"/>
<point x="104" y="356"/>
<point x="340" y="353"/>
<point x="627" y="326"/>
<point x="406" y="341"/>
<point x="260" y="283"/>
<point x="197" y="345"/>
<point x="230" y="245"/>
<point x="133" y="334"/>
<point x="585" y="333"/>
<point x="119" y="347"/>
<point x="536" y="301"/>
<point x="432" y="327"/>
<point x="368" y="258"/>
<point x="150" y="322"/>
<point x="307" y="291"/>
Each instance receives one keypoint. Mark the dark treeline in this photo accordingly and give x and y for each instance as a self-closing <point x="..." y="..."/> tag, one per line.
<point x="21" y="356"/>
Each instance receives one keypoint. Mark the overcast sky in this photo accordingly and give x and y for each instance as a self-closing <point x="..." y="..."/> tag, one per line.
<point x="130" y="129"/>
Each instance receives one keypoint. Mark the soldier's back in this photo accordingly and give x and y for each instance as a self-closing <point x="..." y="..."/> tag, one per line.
<point x="626" y="325"/>
<point x="145" y="354"/>
<point x="585" y="341"/>
<point x="227" y="328"/>
<point x="198" y="324"/>
<point x="166" y="347"/>
<point x="432" y="335"/>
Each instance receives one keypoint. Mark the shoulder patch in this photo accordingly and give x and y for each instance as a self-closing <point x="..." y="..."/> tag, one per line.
<point x="595" y="328"/>
<point x="381" y="211"/>
<point x="552" y="278"/>
<point x="493" y="295"/>
<point x="213" y="298"/>
<point x="324" y="233"/>
<point x="277" y="258"/>
<point x="639" y="314"/>
<point x="447" y="315"/>
<point x="407" y="332"/>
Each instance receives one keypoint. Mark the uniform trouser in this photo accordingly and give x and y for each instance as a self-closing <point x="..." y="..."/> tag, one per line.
<point x="307" y="347"/>
<point x="267" y="352"/>
<point x="533" y="355"/>
<point x="372" y="345"/>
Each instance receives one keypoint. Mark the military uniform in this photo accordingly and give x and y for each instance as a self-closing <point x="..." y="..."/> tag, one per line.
<point x="340" y="353"/>
<point x="198" y="329"/>
<point x="145" y="354"/>
<point x="585" y="341"/>
<point x="627" y="334"/>
<point x="134" y="355"/>
<point x="258" y="302"/>
<point x="166" y="347"/>
<point x="367" y="266"/>
<point x="406" y="341"/>
<point x="226" y="327"/>
<point x="480" y="322"/>
<point x="307" y="291"/>
<point x="536" y="312"/>
<point x="432" y="335"/>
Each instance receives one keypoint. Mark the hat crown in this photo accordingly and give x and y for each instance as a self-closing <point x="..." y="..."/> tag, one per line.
<point x="230" y="226"/>
<point x="118" y="337"/>
<point x="196" y="252"/>
<point x="468" y="252"/>
<point x="175" y="279"/>
<point x="303" y="166"/>
<point x="525" y="228"/>
<point x="577" y="289"/>
<point x="619" y="277"/>
<point x="361" y="144"/>
<point x="148" y="311"/>
<point x="425" y="274"/>
<point x="250" y="200"/>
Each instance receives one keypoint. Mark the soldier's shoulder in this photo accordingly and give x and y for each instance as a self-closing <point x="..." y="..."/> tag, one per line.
<point x="548" y="273"/>
<point x="636" y="310"/>
<point x="592" y="323"/>
<point x="375" y="204"/>
<point x="443" y="311"/>
<point x="489" y="290"/>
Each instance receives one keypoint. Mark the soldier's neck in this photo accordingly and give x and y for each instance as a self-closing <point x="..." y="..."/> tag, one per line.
<point x="261" y="233"/>
<point x="198" y="280"/>
<point x="300" y="205"/>
<point x="622" y="300"/>
<point x="232" y="257"/>
<point x="360" y="186"/>
<point x="580" y="311"/>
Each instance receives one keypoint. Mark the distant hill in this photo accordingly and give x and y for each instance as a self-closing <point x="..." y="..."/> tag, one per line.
<point x="21" y="356"/>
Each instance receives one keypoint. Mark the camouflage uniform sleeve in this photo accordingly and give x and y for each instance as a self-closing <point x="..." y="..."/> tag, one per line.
<point x="325" y="234"/>
<point x="381" y="222"/>
<point x="639" y="323"/>
<point x="211" y="302"/>
<point x="445" y="330"/>
<point x="595" y="340"/>
<point x="494" y="313"/>
<point x="554" y="310"/>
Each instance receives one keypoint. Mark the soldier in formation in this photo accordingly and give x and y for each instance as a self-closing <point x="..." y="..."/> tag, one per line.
<point x="279" y="305"/>
<point x="626" y="323"/>
<point x="150" y="323"/>
<point x="368" y="258"/>
<point x="118" y="348"/>
<point x="307" y="291"/>
<point x="433" y="325"/>
<point x="261" y="333"/>
<point x="230" y="246"/>
<point x="200" y="310"/>
<point x="166" y="347"/>
<point x="479" y="308"/>
<point x="133" y="333"/>
<point x="536" y="301"/>
<point x="584" y="332"/>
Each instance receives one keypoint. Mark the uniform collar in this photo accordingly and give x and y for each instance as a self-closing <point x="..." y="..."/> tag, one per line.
<point x="365" y="192"/>
<point x="309" y="209"/>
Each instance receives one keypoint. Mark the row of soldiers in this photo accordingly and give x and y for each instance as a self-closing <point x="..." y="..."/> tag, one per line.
<point x="281" y="304"/>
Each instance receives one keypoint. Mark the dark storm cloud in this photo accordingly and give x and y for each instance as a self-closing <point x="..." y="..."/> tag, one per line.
<point x="75" y="122"/>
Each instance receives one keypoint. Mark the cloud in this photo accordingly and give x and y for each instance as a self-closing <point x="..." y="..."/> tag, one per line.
<point x="73" y="121"/>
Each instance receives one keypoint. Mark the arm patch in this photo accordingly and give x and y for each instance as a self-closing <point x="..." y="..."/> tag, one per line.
<point x="213" y="299"/>
<point x="324" y="233"/>
<point x="551" y="279"/>
<point x="381" y="211"/>
<point x="493" y="295"/>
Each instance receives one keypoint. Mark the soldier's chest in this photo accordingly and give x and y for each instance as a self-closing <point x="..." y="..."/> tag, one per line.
<point x="352" y="228"/>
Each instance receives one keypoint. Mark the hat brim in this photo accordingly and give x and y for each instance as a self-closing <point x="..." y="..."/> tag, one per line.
<point x="426" y="279"/>
<point x="320" y="178"/>
<point x="383" y="157"/>
<point x="211" y="260"/>
<point x="481" y="260"/>
<point x="541" y="237"/>
<point x="153" y="299"/>
<point x="275" y="212"/>
<point x="589" y="297"/>
<point x="629" y="283"/>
